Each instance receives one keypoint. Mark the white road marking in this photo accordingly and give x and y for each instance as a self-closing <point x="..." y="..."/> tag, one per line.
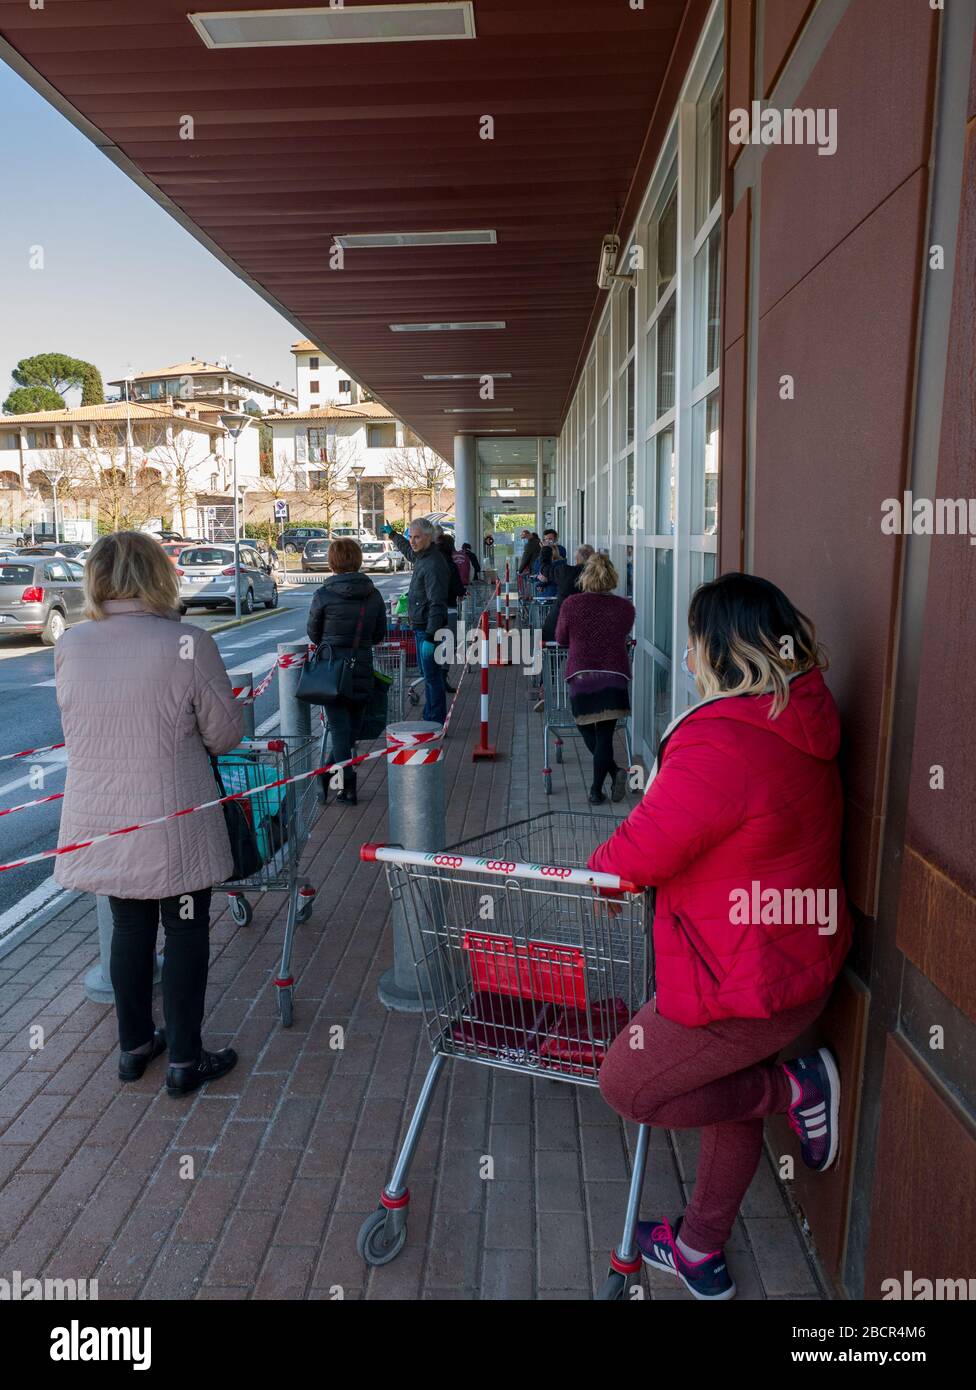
<point x="264" y="729"/>
<point x="257" y="665"/>
<point x="241" y="646"/>
<point x="51" y="762"/>
<point x="17" y="918"/>
<point x="36" y="685"/>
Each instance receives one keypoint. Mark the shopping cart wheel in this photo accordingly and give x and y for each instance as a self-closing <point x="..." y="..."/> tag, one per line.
<point x="559" y="750"/>
<point x="614" y="1288"/>
<point x="285" y="1012"/>
<point x="240" y="910"/>
<point x="375" y="1243"/>
<point x="306" y="901"/>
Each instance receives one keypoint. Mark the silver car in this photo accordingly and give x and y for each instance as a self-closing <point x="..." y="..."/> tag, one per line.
<point x="207" y="578"/>
<point x="380" y="555"/>
<point x="40" y="597"/>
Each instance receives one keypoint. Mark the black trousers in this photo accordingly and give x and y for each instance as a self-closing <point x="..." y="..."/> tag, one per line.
<point x="345" y="722"/>
<point x="186" y="957"/>
<point x="599" y="740"/>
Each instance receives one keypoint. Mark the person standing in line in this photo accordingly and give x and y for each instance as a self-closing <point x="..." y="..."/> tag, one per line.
<point x="145" y="700"/>
<point x="530" y="551"/>
<point x="348" y="612"/>
<point x="473" y="560"/>
<point x="427" y="608"/>
<point x="745" y="806"/>
<point x="595" y="625"/>
<point x="567" y="582"/>
<point x="551" y="538"/>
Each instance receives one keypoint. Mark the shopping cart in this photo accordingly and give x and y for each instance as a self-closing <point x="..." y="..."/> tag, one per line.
<point x="520" y="966"/>
<point x="282" y="817"/>
<point x="526" y="594"/>
<point x="476" y="600"/>
<point x="558" y="712"/>
<point x="390" y="659"/>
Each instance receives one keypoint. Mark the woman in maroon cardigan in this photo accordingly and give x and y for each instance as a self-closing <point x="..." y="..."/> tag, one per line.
<point x="595" y="625"/>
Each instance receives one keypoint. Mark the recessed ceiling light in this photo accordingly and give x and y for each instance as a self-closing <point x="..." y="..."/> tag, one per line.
<point x="442" y="19"/>
<point x="355" y="240"/>
<point x="476" y="326"/>
<point x="480" y="410"/>
<point x="466" y="376"/>
<point x="506" y="430"/>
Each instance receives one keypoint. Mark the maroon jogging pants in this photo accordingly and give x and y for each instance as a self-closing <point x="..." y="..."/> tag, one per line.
<point x="721" y="1079"/>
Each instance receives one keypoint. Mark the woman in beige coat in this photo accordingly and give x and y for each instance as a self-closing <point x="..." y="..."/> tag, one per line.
<point x="144" y="700"/>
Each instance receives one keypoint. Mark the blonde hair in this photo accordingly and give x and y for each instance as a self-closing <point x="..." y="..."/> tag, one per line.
<point x="599" y="575"/>
<point x="130" y="564"/>
<point x="747" y="638"/>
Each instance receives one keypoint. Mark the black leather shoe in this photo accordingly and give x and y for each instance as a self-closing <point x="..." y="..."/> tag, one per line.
<point x="347" y="796"/>
<point x="133" y="1064"/>
<point x="181" y="1081"/>
<point x="596" y="798"/>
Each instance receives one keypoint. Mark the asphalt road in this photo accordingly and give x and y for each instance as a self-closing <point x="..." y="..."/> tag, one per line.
<point x="29" y="718"/>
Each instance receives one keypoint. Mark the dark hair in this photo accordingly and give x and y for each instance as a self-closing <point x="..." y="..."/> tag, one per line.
<point x="748" y="638"/>
<point x="446" y="543"/>
<point x="345" y="555"/>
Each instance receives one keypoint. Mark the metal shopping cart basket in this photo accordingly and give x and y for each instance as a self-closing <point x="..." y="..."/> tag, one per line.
<point x="282" y="817"/>
<point x="559" y="714"/>
<point x="521" y="966"/>
<point x="390" y="659"/>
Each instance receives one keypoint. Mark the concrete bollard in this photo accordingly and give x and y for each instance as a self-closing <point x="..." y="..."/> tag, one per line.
<point x="247" y="681"/>
<point x="416" y="821"/>
<point x="98" y="981"/>
<point x="296" y="718"/>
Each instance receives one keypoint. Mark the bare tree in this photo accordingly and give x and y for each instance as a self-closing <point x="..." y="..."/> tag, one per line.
<point x="112" y="472"/>
<point x="330" y="487"/>
<point x="417" y="471"/>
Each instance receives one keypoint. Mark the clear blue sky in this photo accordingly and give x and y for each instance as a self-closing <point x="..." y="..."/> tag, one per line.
<point x="124" y="286"/>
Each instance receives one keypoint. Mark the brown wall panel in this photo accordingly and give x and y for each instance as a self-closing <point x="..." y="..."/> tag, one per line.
<point x="782" y="22"/>
<point x="937" y="913"/>
<point x="937" y="930"/>
<point x="942" y="824"/>
<point x="923" y="1217"/>
<point x="877" y="72"/>
<point x="733" y="460"/>
<point x="827" y="459"/>
<point x="737" y="269"/>
<point x="823" y="1197"/>
<point x="739" y="44"/>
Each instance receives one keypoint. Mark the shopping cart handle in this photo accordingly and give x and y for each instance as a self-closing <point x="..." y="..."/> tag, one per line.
<point x="373" y="853"/>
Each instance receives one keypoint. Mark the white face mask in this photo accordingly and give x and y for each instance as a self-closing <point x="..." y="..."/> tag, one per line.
<point x="684" y="663"/>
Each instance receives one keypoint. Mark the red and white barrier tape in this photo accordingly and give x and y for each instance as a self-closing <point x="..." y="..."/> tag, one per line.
<point x="28" y="752"/>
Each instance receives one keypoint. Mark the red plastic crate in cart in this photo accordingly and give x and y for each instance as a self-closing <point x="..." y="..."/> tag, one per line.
<point x="404" y="637"/>
<point x="553" y="974"/>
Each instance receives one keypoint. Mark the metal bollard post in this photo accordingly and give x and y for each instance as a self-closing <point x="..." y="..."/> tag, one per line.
<point x="98" y="981"/>
<point x="295" y="718"/>
<point x="416" y="821"/>
<point x="247" y="681"/>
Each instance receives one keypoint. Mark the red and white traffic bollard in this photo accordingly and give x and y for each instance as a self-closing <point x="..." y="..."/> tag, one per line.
<point x="484" y="749"/>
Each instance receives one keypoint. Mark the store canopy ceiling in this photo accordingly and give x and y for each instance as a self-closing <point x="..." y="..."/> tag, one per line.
<point x="295" y="145"/>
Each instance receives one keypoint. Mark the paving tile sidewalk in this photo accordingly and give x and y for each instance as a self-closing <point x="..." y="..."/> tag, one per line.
<point x="288" y="1152"/>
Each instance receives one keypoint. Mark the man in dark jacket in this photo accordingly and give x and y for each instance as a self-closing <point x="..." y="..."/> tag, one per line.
<point x="427" y="608"/>
<point x="348" y="612"/>
<point x="531" y="549"/>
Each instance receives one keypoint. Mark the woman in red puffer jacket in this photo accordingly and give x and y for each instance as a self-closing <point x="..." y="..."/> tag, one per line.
<point x="739" y="832"/>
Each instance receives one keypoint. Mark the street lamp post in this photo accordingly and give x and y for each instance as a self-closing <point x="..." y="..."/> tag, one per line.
<point x="357" y="470"/>
<point x="54" y="476"/>
<point x="235" y="425"/>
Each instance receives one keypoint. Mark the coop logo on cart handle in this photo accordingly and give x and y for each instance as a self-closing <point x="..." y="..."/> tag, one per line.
<point x="554" y="870"/>
<point x="498" y="866"/>
<point x="450" y="861"/>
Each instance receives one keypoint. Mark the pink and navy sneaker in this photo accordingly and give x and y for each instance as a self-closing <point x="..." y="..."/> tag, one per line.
<point x="814" y="1114"/>
<point x="708" y="1279"/>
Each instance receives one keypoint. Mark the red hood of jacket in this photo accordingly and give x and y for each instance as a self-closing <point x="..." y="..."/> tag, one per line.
<point x="809" y="723"/>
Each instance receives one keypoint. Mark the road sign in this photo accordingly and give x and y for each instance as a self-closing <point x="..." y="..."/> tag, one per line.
<point x="281" y="509"/>
<point x="211" y="513"/>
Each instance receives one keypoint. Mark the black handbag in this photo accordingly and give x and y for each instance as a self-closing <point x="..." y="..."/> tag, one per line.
<point x="327" y="675"/>
<point x="240" y="832"/>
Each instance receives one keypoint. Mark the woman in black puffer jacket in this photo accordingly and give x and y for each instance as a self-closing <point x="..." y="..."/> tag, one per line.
<point x="347" y="602"/>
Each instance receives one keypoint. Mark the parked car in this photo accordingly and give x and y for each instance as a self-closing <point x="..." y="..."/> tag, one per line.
<point x="315" y="555"/>
<point x="357" y="533"/>
<point x="170" y="536"/>
<point x="174" y="549"/>
<point x="40" y="597"/>
<point x="207" y="578"/>
<point x="294" y="539"/>
<point x="72" y="549"/>
<point x="10" y="536"/>
<point x="381" y="555"/>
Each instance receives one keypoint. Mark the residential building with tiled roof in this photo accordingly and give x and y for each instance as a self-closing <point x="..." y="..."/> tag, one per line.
<point x="212" y="383"/>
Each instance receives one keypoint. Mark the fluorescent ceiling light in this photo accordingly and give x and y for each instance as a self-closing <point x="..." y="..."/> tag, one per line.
<point x="466" y="376"/>
<point x="277" y="28"/>
<point x="352" y="240"/>
<point x="507" y="430"/>
<point x="475" y="326"/>
<point x="480" y="410"/>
